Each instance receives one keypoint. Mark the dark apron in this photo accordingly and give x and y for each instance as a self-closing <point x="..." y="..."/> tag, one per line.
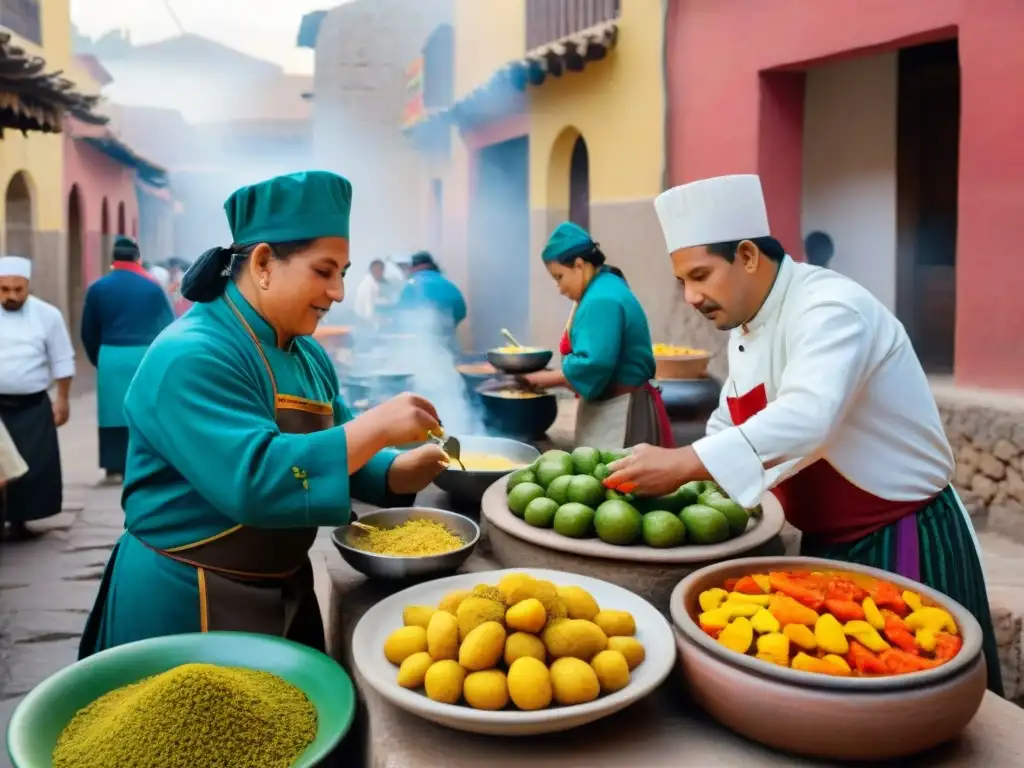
<point x="250" y="579"/>
<point x="40" y="492"/>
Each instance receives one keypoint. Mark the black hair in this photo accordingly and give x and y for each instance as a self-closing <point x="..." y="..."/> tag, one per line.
<point x="208" y="276"/>
<point x="769" y="246"/>
<point x="819" y="248"/>
<point x="593" y="255"/>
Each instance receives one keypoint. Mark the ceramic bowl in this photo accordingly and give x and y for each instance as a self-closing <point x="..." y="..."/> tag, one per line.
<point x="42" y="716"/>
<point x="385" y="617"/>
<point x="395" y="568"/>
<point x="839" y="718"/>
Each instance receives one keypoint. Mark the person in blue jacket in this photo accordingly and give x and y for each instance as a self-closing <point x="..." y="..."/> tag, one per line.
<point x="607" y="355"/>
<point x="241" y="444"/>
<point x="428" y="288"/>
<point x="124" y="312"/>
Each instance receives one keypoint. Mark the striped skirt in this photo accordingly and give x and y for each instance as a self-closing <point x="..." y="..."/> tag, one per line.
<point x="935" y="547"/>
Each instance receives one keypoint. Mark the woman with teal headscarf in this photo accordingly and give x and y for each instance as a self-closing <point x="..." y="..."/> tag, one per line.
<point x="241" y="445"/>
<point x="607" y="355"/>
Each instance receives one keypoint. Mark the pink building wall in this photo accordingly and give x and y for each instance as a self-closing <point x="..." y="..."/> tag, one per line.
<point x="97" y="178"/>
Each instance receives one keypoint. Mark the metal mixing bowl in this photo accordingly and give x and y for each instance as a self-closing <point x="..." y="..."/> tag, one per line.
<point x="394" y="568"/>
<point x="520" y="362"/>
<point x="468" y="485"/>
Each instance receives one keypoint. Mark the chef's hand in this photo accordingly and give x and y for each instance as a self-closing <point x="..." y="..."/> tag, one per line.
<point x="652" y="471"/>
<point x="406" y="418"/>
<point x="414" y="470"/>
<point x="542" y="379"/>
<point x="61" y="411"/>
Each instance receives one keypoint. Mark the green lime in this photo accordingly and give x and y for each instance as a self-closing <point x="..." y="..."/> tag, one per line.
<point x="558" y="489"/>
<point x="704" y="525"/>
<point x="737" y="516"/>
<point x="662" y="529"/>
<point x="558" y="458"/>
<point x="548" y="471"/>
<point x="617" y="522"/>
<point x="687" y="494"/>
<point x="519" y="477"/>
<point x="540" y="513"/>
<point x="695" y="488"/>
<point x="613" y="495"/>
<point x="607" y="457"/>
<point x="585" y="460"/>
<point x="601" y="472"/>
<point x="711" y="494"/>
<point x="574" y="520"/>
<point x="670" y="502"/>
<point x="584" y="489"/>
<point x="521" y="496"/>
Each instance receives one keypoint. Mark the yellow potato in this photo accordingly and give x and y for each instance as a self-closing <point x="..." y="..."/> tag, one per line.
<point x="414" y="670"/>
<point x="521" y="644"/>
<point x="403" y="643"/>
<point x="579" y="603"/>
<point x="453" y="600"/>
<point x="574" y="682"/>
<point x="527" y="616"/>
<point x="475" y="610"/>
<point x="443" y="636"/>
<point x="612" y="671"/>
<point x="444" y="681"/>
<point x="630" y="648"/>
<point x="417" y="615"/>
<point x="486" y="690"/>
<point x="529" y="684"/>
<point x="515" y="587"/>
<point x="574" y="637"/>
<point x="483" y="647"/>
<point x="616" y="623"/>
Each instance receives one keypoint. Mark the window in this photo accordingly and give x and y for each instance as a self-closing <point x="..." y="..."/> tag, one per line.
<point x="22" y="18"/>
<point x="550" y="20"/>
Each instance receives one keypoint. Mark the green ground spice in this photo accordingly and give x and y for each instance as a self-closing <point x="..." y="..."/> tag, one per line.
<point x="193" y="715"/>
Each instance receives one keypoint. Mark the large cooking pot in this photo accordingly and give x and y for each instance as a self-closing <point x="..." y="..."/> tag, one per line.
<point x="520" y="418"/>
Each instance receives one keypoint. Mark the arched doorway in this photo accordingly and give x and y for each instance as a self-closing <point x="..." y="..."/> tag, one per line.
<point x="121" y="230"/>
<point x="18" y="216"/>
<point x="106" y="256"/>
<point x="76" y="259"/>
<point x="579" y="184"/>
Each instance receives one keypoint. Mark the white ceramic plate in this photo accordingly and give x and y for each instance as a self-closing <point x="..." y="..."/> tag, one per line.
<point x="653" y="630"/>
<point x="494" y="507"/>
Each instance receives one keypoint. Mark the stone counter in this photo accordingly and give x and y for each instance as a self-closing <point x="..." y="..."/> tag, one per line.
<point x="665" y="729"/>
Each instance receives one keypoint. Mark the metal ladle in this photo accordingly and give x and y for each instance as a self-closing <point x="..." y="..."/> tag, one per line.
<point x="451" y="447"/>
<point x="508" y="335"/>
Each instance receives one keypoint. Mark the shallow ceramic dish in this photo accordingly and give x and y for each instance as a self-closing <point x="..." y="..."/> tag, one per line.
<point x="494" y="507"/>
<point x="469" y="485"/>
<point x="395" y="568"/>
<point x="831" y="724"/>
<point x="41" y="717"/>
<point x="385" y="617"/>
<point x="685" y="606"/>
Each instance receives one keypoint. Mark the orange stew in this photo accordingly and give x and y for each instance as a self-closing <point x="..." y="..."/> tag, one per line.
<point x="830" y="623"/>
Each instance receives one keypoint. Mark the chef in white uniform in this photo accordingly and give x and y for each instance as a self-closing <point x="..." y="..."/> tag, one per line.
<point x="35" y="353"/>
<point x="826" y="404"/>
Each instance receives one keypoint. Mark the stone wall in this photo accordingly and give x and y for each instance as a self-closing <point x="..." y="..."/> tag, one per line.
<point x="987" y="435"/>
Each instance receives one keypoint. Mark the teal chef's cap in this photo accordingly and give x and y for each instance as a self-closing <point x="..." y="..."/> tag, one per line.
<point x="299" y="206"/>
<point x="567" y="240"/>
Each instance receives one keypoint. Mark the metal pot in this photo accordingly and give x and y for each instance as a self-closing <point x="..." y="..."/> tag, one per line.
<point x="519" y="418"/>
<point x="468" y="485"/>
<point x="520" y="362"/>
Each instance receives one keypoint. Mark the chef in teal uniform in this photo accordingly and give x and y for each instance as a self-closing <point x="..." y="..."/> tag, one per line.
<point x="607" y="355"/>
<point x="240" y="444"/>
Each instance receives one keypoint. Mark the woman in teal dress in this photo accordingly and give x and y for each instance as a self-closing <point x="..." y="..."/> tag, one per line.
<point x="607" y="355"/>
<point x="240" y="444"/>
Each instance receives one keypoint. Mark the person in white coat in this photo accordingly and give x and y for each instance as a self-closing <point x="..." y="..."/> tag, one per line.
<point x="826" y="404"/>
<point x="372" y="294"/>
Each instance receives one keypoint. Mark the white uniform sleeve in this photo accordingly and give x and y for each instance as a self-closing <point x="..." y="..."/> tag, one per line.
<point x="59" y="347"/>
<point x="721" y="418"/>
<point x="827" y="361"/>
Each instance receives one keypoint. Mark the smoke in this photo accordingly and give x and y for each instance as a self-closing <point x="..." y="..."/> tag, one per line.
<point x="418" y="342"/>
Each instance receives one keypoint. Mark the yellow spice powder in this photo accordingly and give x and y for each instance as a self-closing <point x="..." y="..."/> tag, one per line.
<point x="414" y="538"/>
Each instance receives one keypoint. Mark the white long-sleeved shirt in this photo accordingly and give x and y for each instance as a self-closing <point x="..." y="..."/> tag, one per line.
<point x="842" y="382"/>
<point x="35" y="348"/>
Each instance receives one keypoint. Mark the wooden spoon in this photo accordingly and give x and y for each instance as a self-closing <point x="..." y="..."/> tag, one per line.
<point x="363" y="526"/>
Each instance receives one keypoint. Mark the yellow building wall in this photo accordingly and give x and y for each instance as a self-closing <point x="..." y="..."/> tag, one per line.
<point x="39" y="155"/>
<point x="617" y="105"/>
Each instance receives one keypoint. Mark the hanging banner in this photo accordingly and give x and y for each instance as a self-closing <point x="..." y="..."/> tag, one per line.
<point x="414" y="109"/>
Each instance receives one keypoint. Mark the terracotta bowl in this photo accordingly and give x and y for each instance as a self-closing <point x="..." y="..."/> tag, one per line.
<point x="838" y="718"/>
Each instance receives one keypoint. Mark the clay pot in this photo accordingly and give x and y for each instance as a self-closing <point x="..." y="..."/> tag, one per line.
<point x="836" y="718"/>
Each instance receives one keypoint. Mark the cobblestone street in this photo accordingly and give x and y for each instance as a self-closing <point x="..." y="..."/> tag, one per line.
<point x="47" y="585"/>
